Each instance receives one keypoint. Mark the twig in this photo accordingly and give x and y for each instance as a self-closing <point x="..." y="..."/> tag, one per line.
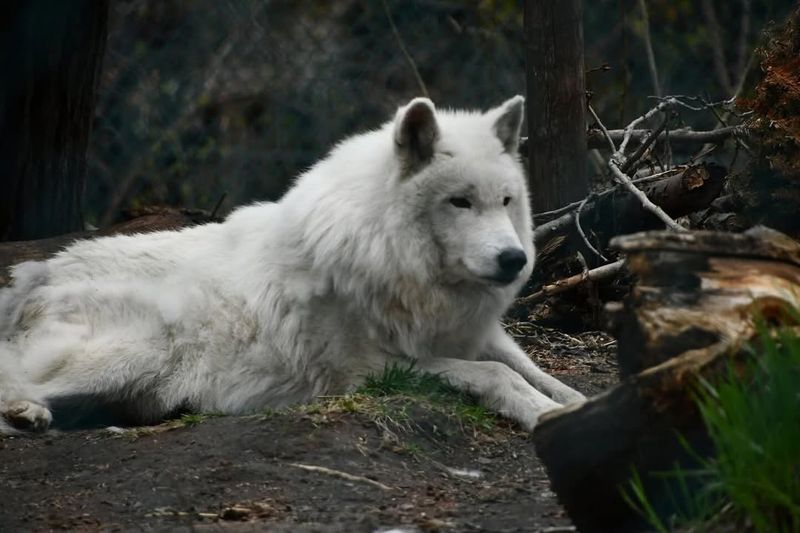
<point x="667" y="148"/>
<point x="630" y="128"/>
<point x="404" y="50"/>
<point x="341" y="475"/>
<point x="701" y="104"/>
<point x="640" y="151"/>
<point x="557" y="226"/>
<point x="580" y="229"/>
<point x="555" y="213"/>
<point x="603" y="129"/>
<point x="648" y="45"/>
<point x="605" y="67"/>
<point x="596" y="274"/>
<point x="660" y="175"/>
<point x="743" y="77"/>
<point x="218" y="205"/>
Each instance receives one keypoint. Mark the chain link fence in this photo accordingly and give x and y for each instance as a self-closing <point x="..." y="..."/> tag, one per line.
<point x="203" y="98"/>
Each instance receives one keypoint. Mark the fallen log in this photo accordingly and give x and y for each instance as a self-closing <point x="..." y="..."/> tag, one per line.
<point x="563" y="251"/>
<point x="689" y="315"/>
<point x="617" y="212"/>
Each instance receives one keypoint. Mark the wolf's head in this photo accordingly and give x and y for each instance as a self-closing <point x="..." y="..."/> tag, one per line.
<point x="461" y="173"/>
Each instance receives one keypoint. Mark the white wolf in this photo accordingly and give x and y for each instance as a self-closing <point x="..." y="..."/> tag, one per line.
<point x="404" y="244"/>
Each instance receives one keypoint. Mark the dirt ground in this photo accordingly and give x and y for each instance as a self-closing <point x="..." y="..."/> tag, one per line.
<point x="301" y="471"/>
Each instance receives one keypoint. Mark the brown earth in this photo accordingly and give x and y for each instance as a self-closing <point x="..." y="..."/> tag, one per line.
<point x="289" y="471"/>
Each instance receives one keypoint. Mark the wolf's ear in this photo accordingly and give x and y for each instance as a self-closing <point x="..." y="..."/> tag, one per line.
<point x="508" y="122"/>
<point x="416" y="132"/>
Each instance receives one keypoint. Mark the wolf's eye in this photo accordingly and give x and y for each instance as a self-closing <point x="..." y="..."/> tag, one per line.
<point x="506" y="200"/>
<point x="460" y="202"/>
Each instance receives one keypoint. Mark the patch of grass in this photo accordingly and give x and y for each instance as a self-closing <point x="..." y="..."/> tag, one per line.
<point x="402" y="379"/>
<point x="387" y="397"/>
<point x="411" y="448"/>
<point x="405" y="381"/>
<point x="754" y="424"/>
<point x="476" y="415"/>
<point x="192" y="419"/>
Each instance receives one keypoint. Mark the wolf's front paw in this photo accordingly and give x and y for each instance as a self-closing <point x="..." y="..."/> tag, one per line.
<point x="25" y="415"/>
<point x="567" y="396"/>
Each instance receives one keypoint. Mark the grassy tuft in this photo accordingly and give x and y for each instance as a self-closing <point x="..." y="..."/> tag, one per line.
<point x="754" y="424"/>
<point x="405" y="381"/>
<point x="192" y="419"/>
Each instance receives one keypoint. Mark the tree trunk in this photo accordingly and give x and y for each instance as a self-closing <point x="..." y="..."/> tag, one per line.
<point x="556" y="103"/>
<point x="50" y="54"/>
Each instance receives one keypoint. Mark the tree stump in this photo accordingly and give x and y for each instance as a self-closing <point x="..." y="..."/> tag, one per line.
<point x="697" y="289"/>
<point x="691" y="311"/>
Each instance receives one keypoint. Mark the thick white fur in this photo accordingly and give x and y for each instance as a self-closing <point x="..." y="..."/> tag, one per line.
<point x="363" y="263"/>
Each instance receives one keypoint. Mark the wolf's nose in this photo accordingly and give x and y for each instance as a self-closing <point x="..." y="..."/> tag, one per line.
<point x="511" y="261"/>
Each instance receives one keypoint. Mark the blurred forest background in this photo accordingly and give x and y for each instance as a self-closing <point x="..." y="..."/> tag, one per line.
<point x="208" y="97"/>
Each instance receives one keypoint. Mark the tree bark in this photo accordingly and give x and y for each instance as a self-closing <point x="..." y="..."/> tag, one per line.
<point x="701" y="288"/>
<point x="50" y="54"/>
<point x="556" y="103"/>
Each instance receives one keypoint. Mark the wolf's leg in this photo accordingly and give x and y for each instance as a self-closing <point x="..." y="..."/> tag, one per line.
<point x="498" y="387"/>
<point x="19" y="408"/>
<point x="502" y="348"/>
<point x="79" y="378"/>
<point x="25" y="415"/>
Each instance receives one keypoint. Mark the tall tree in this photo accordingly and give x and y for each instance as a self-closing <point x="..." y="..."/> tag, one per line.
<point x="50" y="55"/>
<point x="556" y="102"/>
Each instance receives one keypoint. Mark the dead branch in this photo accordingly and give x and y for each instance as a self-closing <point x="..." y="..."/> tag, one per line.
<point x="603" y="130"/>
<point x="628" y="167"/>
<point x="680" y="138"/>
<point x="596" y="274"/>
<point x="619" y="161"/>
<point x="650" y="206"/>
<point x="578" y="227"/>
